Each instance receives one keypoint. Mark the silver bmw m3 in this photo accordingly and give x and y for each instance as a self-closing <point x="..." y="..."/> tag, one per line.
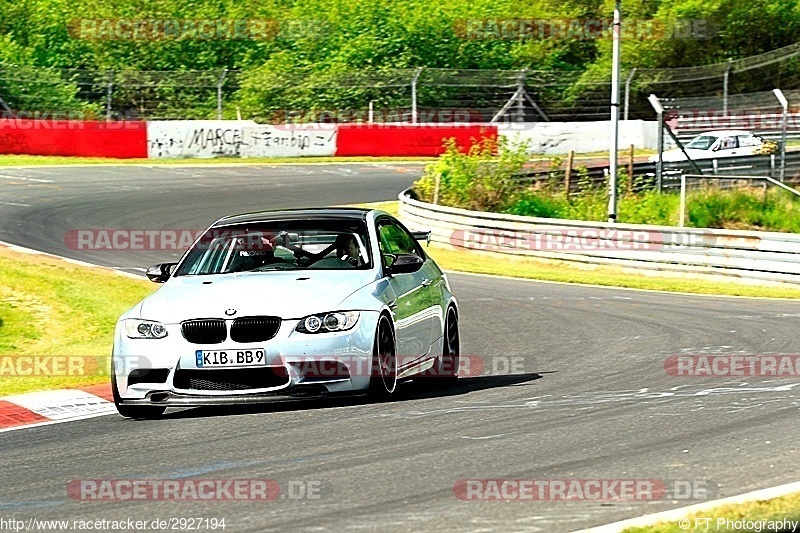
<point x="285" y="304"/>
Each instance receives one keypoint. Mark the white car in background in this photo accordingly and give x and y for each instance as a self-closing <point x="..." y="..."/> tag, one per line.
<point x="715" y="144"/>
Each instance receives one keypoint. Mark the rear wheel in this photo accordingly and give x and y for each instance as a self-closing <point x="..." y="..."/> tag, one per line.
<point x="132" y="411"/>
<point x="447" y="370"/>
<point x="383" y="377"/>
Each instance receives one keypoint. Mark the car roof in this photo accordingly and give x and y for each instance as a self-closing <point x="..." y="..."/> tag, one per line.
<point x="316" y="213"/>
<point x="723" y="133"/>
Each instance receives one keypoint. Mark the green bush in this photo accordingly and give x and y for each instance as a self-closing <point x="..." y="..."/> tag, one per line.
<point x="482" y="179"/>
<point x="649" y="207"/>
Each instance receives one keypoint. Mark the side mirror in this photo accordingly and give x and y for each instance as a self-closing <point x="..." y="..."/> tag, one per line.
<point x="422" y="236"/>
<point x="161" y="272"/>
<point x="403" y="263"/>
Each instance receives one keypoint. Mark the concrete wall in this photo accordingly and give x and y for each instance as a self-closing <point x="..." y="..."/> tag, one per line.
<point x="195" y="138"/>
<point x="246" y="138"/>
<point x="558" y="138"/>
<point x="293" y="140"/>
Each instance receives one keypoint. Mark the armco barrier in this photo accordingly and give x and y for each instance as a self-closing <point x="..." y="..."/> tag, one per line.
<point x="405" y="140"/>
<point x="749" y="255"/>
<point x="123" y="139"/>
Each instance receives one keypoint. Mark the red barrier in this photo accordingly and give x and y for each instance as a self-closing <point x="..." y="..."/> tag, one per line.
<point x="123" y="139"/>
<point x="405" y="140"/>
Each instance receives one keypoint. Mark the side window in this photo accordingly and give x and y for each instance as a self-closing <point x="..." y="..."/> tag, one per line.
<point x="748" y="140"/>
<point x="395" y="240"/>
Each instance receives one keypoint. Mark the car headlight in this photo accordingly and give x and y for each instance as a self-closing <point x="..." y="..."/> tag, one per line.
<point x="328" y="322"/>
<point x="144" y="329"/>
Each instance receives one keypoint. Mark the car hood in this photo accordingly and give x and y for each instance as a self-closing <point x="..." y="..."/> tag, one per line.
<point x="285" y="294"/>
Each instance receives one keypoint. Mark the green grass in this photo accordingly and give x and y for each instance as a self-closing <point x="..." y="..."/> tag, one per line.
<point x="777" y="509"/>
<point x="49" y="307"/>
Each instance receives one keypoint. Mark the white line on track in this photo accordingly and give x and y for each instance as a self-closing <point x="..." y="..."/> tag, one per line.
<point x="24" y="179"/>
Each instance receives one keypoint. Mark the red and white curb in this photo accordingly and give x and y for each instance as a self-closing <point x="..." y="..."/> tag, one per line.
<point x="53" y="407"/>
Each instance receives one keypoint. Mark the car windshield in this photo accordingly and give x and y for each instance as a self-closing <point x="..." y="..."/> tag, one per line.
<point x="279" y="245"/>
<point x="703" y="142"/>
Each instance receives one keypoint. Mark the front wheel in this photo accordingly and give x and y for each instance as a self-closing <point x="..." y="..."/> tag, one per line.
<point x="383" y="375"/>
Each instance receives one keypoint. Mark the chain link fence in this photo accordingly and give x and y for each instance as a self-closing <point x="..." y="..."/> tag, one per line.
<point x="381" y="95"/>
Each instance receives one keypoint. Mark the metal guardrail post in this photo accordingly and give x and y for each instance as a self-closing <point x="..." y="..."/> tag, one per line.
<point x="109" y="94"/>
<point x="682" y="216"/>
<point x="725" y="87"/>
<point x="521" y="95"/>
<point x="414" y="95"/>
<point x="628" y="93"/>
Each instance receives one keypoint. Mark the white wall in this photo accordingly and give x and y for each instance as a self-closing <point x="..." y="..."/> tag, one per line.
<point x="290" y="140"/>
<point x="246" y="138"/>
<point x="237" y="138"/>
<point x="195" y="138"/>
<point x="557" y="138"/>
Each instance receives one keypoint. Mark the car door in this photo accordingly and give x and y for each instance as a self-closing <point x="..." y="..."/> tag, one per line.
<point x="748" y="144"/>
<point x="727" y="147"/>
<point x="412" y="306"/>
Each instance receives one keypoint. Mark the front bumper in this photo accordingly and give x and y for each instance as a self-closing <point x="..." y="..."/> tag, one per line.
<point x="174" y="399"/>
<point x="145" y="370"/>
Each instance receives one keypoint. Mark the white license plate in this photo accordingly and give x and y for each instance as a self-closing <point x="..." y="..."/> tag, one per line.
<point x="208" y="358"/>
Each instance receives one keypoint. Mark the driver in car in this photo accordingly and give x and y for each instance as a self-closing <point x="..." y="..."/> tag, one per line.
<point x="346" y="247"/>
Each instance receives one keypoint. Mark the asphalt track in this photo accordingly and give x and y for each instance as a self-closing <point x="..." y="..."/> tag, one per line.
<point x="573" y="387"/>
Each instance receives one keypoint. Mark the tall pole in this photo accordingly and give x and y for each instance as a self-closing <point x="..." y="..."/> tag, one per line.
<point x="612" y="157"/>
